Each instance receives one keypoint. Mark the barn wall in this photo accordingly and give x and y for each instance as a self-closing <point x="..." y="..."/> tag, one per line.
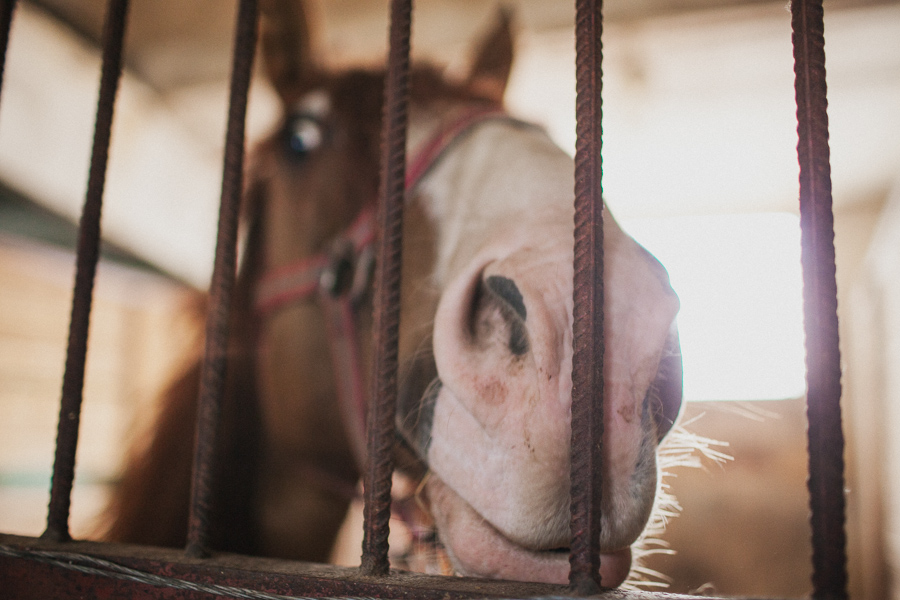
<point x="744" y="527"/>
<point x="135" y="340"/>
<point x="874" y="334"/>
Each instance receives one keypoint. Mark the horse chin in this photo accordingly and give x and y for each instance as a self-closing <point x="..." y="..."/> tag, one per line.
<point x="478" y="549"/>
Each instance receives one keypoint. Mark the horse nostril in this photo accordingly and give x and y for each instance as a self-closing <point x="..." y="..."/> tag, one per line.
<point x="499" y="312"/>
<point x="507" y="289"/>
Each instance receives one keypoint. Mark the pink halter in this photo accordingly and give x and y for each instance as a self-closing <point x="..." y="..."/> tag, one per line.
<point x="324" y="276"/>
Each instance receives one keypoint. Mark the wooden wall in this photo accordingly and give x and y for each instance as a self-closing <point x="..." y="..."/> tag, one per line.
<point x="744" y="527"/>
<point x="135" y="338"/>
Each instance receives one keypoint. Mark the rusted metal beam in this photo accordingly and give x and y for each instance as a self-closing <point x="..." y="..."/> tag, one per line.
<point x="382" y="409"/>
<point x="588" y="343"/>
<point x="823" y="360"/>
<point x="88" y="252"/>
<point x="36" y="569"/>
<point x="212" y="381"/>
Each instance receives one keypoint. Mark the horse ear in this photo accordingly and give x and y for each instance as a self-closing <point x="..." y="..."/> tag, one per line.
<point x="287" y="44"/>
<point x="493" y="58"/>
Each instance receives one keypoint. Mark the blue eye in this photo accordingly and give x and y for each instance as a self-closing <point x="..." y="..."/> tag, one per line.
<point x="304" y="134"/>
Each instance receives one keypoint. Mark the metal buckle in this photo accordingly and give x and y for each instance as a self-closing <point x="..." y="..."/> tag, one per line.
<point x="337" y="276"/>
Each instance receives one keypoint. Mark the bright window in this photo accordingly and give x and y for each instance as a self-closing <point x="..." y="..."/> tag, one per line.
<point x="739" y="281"/>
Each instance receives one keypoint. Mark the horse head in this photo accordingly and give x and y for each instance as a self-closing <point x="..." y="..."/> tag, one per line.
<point x="486" y="337"/>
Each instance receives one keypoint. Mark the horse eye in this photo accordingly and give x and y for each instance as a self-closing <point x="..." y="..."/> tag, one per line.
<point x="304" y="135"/>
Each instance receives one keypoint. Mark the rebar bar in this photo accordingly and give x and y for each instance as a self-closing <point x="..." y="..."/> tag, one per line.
<point x="826" y="440"/>
<point x="377" y="479"/>
<point x="588" y="343"/>
<point x="87" y="255"/>
<point x="212" y="379"/>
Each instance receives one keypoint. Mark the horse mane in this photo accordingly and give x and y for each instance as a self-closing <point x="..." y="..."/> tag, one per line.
<point x="149" y="503"/>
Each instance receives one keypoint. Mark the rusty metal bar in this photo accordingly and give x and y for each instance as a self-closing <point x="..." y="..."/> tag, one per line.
<point x="587" y="359"/>
<point x="382" y="409"/>
<point x="826" y="440"/>
<point x="31" y="568"/>
<point x="85" y="271"/>
<point x="212" y="379"/>
<point x="37" y="569"/>
<point x="6" y="15"/>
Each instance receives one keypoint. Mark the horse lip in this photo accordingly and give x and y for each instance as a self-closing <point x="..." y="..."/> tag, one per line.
<point x="477" y="548"/>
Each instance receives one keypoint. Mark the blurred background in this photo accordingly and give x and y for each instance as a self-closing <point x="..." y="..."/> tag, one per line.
<point x="699" y="165"/>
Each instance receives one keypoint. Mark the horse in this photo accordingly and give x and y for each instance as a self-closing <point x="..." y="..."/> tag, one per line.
<point x="485" y="342"/>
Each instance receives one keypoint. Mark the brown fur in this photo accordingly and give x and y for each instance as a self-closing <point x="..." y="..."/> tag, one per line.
<point x="285" y="455"/>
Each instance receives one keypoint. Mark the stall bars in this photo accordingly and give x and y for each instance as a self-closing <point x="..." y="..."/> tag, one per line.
<point x="56" y="566"/>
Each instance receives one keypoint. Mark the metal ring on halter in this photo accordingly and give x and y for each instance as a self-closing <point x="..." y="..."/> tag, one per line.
<point x="337" y="275"/>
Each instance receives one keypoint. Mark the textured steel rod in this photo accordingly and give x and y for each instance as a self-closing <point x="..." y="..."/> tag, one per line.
<point x="212" y="381"/>
<point x="382" y="409"/>
<point x="6" y="14"/>
<point x="587" y="359"/>
<point x="88" y="253"/>
<point x="826" y="440"/>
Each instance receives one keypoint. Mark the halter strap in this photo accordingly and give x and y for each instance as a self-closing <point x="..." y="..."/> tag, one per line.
<point x="426" y="156"/>
<point x="352" y="249"/>
<point x="325" y="271"/>
<point x="351" y="256"/>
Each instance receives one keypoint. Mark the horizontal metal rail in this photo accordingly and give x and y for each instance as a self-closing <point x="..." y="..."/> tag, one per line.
<point x="35" y="569"/>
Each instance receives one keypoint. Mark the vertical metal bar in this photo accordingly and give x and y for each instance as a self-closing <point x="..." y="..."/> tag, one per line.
<point x="212" y="382"/>
<point x="826" y="441"/>
<point x="85" y="270"/>
<point x="588" y="343"/>
<point x="6" y="14"/>
<point x="377" y="479"/>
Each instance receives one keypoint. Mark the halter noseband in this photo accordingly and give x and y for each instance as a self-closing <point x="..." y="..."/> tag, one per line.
<point x="342" y="269"/>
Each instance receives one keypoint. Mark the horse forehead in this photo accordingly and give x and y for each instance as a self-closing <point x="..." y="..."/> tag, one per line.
<point x="316" y="103"/>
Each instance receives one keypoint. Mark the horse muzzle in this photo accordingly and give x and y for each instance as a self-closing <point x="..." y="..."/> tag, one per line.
<point x="494" y="426"/>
